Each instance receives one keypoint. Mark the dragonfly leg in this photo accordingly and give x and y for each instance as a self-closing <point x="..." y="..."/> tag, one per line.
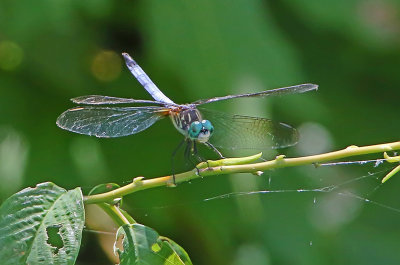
<point x="173" y="159"/>
<point x="196" y="154"/>
<point x="215" y="150"/>
<point x="199" y="157"/>
<point x="189" y="150"/>
<point x="186" y="153"/>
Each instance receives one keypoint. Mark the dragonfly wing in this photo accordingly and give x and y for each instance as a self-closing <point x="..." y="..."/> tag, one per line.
<point x="273" y="92"/>
<point x="103" y="100"/>
<point x="244" y="132"/>
<point x="109" y="122"/>
<point x="145" y="80"/>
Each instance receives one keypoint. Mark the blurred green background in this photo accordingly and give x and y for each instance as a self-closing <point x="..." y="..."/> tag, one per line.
<point x="51" y="51"/>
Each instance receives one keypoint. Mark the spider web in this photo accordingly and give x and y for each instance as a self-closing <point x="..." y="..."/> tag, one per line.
<point x="370" y="182"/>
<point x="330" y="203"/>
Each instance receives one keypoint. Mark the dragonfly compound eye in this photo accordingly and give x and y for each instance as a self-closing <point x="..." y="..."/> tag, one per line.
<point x="195" y="129"/>
<point x="208" y="126"/>
<point x="200" y="131"/>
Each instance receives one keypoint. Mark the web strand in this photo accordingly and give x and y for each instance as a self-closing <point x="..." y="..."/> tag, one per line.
<point x="338" y="189"/>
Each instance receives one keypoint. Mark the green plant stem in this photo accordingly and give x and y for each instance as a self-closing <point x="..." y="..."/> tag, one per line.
<point x="237" y="165"/>
<point x="115" y="213"/>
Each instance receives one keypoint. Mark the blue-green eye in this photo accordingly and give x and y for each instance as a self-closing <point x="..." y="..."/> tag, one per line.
<point x="208" y="126"/>
<point x="195" y="129"/>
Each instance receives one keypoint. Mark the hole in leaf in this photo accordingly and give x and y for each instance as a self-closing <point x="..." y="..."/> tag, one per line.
<point x="54" y="238"/>
<point x="118" y="245"/>
<point x="155" y="247"/>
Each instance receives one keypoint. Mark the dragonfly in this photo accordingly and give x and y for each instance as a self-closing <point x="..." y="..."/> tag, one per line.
<point x="107" y="116"/>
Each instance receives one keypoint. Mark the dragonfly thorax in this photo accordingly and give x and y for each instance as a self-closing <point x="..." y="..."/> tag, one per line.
<point x="190" y="123"/>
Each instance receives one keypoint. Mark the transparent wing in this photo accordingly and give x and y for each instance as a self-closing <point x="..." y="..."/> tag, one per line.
<point x="103" y="100"/>
<point x="273" y="92"/>
<point x="109" y="122"/>
<point x="244" y="132"/>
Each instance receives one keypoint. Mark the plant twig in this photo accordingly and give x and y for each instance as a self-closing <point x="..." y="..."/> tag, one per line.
<point x="238" y="165"/>
<point x="115" y="213"/>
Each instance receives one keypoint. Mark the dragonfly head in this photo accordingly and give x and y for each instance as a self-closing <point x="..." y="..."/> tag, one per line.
<point x="200" y="131"/>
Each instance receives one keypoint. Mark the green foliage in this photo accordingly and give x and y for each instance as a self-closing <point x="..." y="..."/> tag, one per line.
<point x="41" y="225"/>
<point x="142" y="245"/>
<point x="105" y="187"/>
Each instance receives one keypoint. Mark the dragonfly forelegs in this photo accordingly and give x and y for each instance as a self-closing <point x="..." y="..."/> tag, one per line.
<point x="192" y="152"/>
<point x="215" y="149"/>
<point x="196" y="154"/>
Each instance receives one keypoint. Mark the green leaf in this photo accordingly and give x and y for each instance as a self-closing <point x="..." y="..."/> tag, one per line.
<point x="41" y="225"/>
<point x="179" y="250"/>
<point x="143" y="245"/>
<point x="101" y="188"/>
